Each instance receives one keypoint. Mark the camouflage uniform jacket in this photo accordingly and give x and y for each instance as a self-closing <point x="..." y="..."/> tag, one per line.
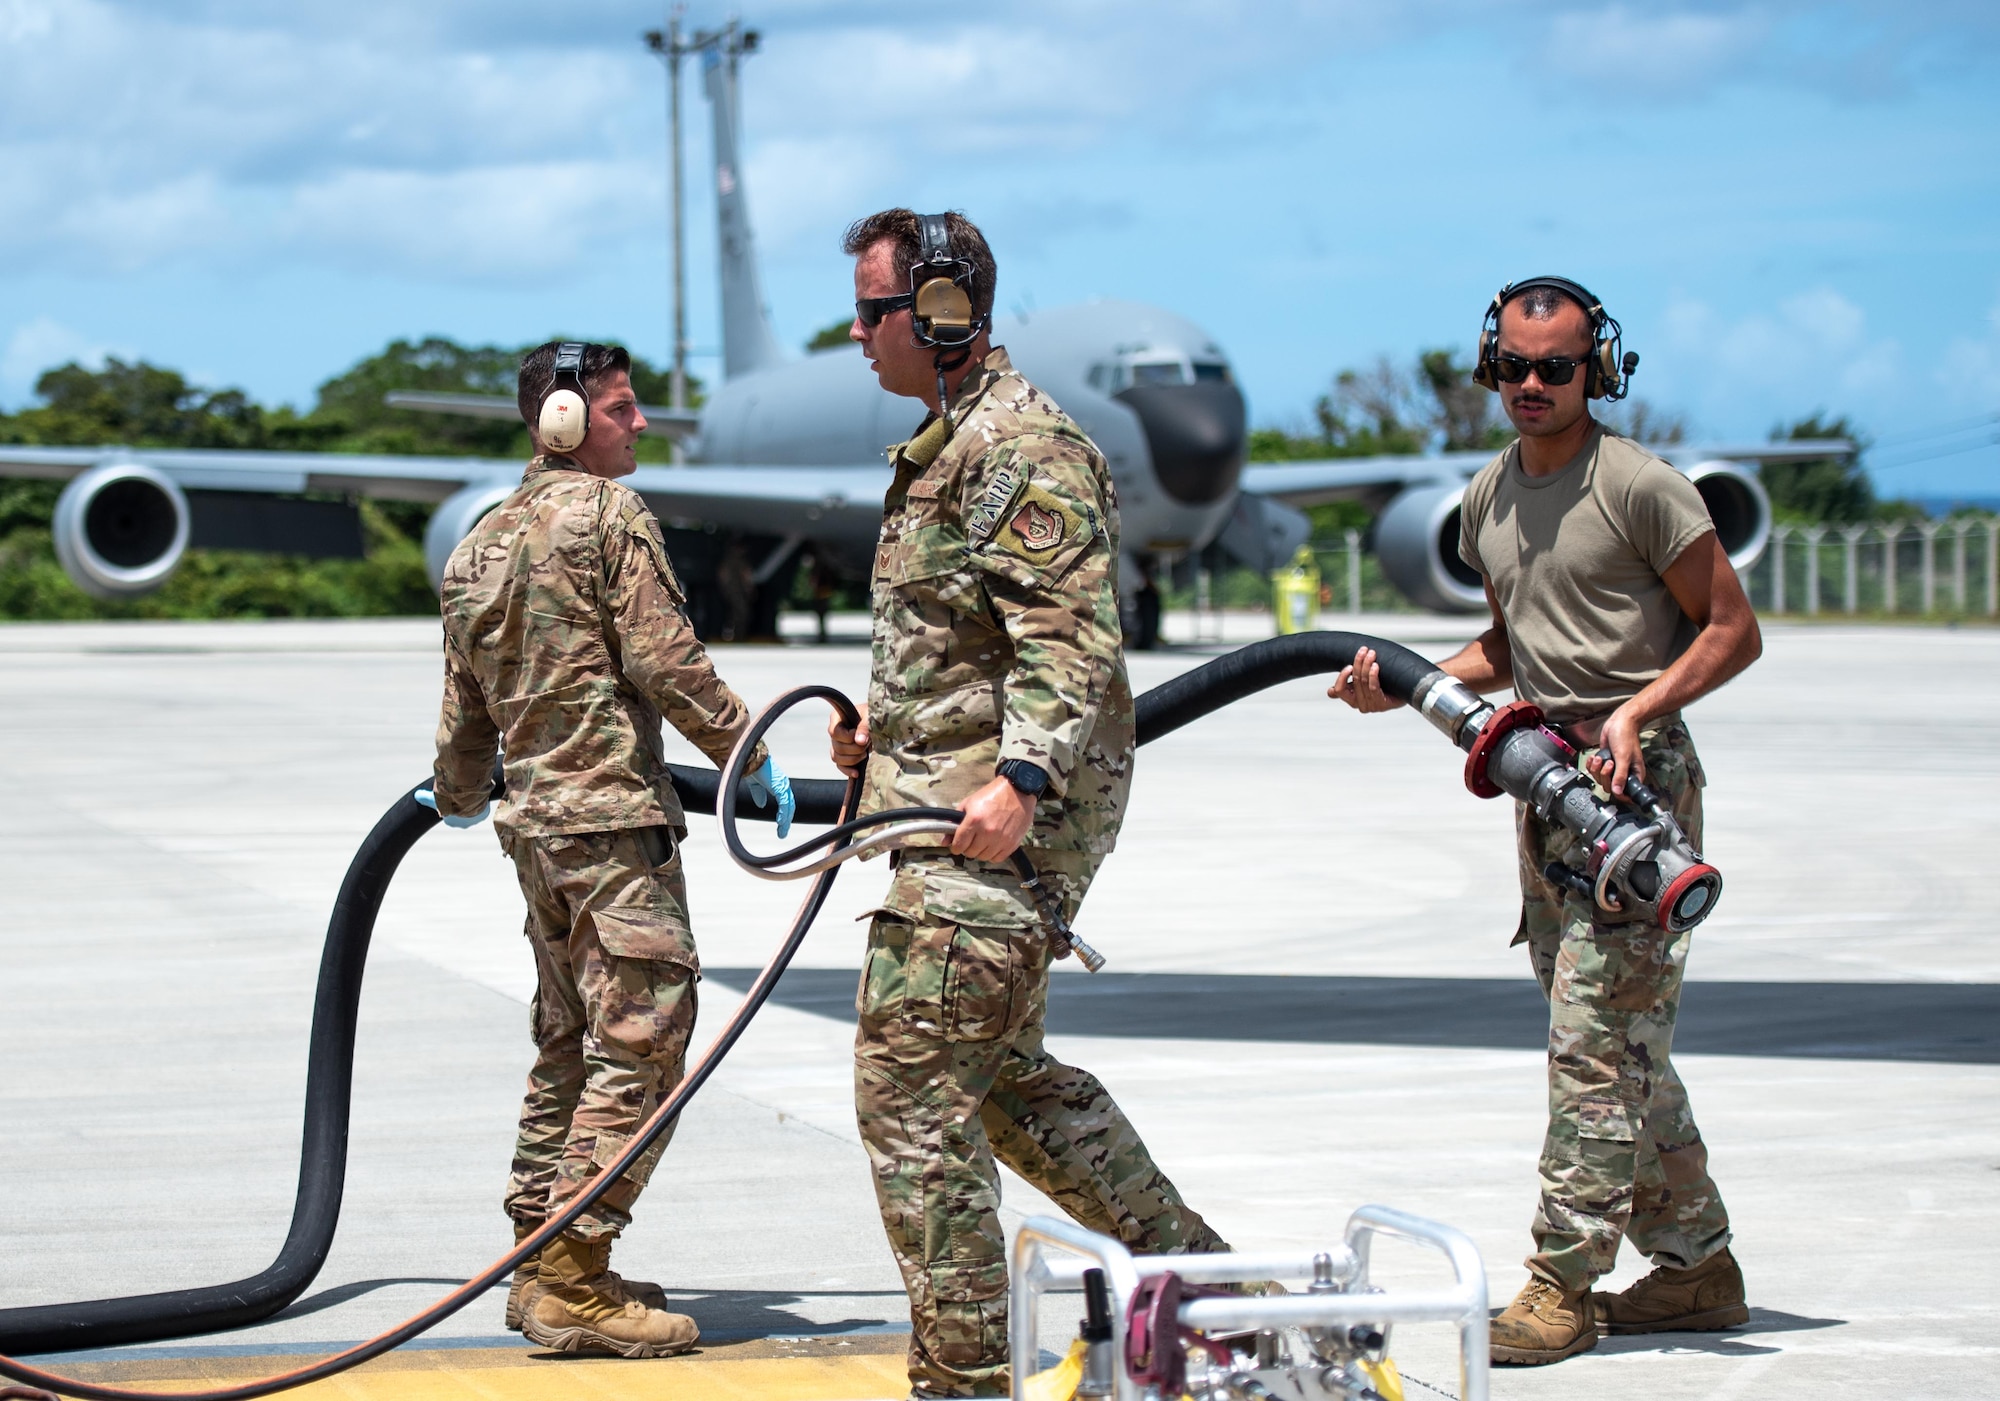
<point x="565" y="639"/>
<point x="996" y="615"/>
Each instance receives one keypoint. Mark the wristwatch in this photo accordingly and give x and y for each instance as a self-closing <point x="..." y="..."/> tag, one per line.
<point x="1027" y="778"/>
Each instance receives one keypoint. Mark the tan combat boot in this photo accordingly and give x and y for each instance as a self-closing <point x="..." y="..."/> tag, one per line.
<point x="1704" y="1299"/>
<point x="524" y="1277"/>
<point x="1544" y="1324"/>
<point x="580" y="1306"/>
<point x="519" y="1299"/>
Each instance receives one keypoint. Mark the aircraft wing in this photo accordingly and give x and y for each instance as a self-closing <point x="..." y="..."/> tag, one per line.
<point x="762" y="498"/>
<point x="671" y="423"/>
<point x="836" y="502"/>
<point x="241" y="469"/>
<point x="161" y="501"/>
<point x="1315" y="481"/>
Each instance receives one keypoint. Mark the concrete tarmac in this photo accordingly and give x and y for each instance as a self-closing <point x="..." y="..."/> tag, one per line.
<point x="1311" y="1004"/>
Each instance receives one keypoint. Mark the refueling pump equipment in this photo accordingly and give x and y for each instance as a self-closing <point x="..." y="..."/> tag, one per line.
<point x="1637" y="863"/>
<point x="1213" y="1327"/>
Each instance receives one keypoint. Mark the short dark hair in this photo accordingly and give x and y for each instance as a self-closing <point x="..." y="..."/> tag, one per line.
<point x="900" y="228"/>
<point x="538" y="372"/>
<point x="1542" y="303"/>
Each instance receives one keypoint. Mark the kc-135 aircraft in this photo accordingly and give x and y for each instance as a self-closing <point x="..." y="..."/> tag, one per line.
<point x="787" y="457"/>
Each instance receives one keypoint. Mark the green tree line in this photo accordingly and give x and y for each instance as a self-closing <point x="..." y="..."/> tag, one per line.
<point x="144" y="405"/>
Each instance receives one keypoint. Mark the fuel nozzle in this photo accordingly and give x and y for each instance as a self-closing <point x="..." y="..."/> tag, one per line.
<point x="1631" y="861"/>
<point x="1063" y="941"/>
<point x="1098" y="1376"/>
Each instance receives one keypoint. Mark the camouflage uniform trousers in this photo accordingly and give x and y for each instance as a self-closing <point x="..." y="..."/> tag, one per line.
<point x="614" y="1007"/>
<point x="1623" y="1156"/>
<point x="949" y="1072"/>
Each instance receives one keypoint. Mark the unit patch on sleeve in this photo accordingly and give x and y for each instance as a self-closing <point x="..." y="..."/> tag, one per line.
<point x="1039" y="525"/>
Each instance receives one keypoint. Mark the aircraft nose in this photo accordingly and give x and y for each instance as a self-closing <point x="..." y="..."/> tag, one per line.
<point x="1196" y="435"/>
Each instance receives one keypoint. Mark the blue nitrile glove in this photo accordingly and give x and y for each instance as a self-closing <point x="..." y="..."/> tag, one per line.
<point x="430" y="800"/>
<point x="766" y="781"/>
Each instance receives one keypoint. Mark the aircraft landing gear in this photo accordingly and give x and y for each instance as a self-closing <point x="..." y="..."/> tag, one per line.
<point x="1146" y="635"/>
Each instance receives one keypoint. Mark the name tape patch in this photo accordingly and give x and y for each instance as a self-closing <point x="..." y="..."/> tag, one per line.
<point x="984" y="518"/>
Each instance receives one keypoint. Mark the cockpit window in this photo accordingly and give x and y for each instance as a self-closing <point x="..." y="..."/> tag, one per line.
<point x="1156" y="365"/>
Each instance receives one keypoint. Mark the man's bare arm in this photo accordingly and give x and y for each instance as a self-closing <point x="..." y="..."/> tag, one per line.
<point x="1485" y="664"/>
<point x="1704" y="584"/>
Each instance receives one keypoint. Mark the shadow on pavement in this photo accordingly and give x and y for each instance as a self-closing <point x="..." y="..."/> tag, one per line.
<point x="1947" y="1022"/>
<point x="342" y="1293"/>
<point x="1736" y="1342"/>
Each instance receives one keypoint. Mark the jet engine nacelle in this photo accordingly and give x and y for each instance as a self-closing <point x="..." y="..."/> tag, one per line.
<point x="453" y="521"/>
<point x="121" y="529"/>
<point x="1416" y="541"/>
<point x="1737" y="504"/>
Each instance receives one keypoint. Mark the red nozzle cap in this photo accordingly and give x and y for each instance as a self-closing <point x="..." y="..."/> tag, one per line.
<point x="1690" y="897"/>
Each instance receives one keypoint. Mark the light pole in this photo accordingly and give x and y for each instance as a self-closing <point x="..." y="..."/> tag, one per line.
<point x="672" y="46"/>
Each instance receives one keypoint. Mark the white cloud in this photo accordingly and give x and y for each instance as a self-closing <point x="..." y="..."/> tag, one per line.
<point x="1969" y="369"/>
<point x="234" y="131"/>
<point x="1812" y="350"/>
<point x="42" y="344"/>
<point x="1617" y="52"/>
<point x="491" y="221"/>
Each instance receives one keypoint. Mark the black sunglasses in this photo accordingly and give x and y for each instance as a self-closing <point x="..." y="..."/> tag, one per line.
<point x="870" y="310"/>
<point x="1557" y="369"/>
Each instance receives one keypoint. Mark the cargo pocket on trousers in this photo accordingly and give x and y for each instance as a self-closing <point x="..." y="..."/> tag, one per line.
<point x="981" y="982"/>
<point x="626" y="932"/>
<point x="994" y="944"/>
<point x="879" y="996"/>
<point x="1605" y="1147"/>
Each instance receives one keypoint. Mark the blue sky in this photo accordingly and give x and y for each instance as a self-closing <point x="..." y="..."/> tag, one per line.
<point x="1790" y="206"/>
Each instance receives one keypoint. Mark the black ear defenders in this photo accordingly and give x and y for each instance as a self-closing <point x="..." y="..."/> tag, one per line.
<point x="565" y="417"/>
<point x="941" y="290"/>
<point x="1607" y="373"/>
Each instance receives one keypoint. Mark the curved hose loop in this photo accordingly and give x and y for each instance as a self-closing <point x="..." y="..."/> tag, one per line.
<point x="900" y="826"/>
<point x="834" y="841"/>
<point x="329" y="1076"/>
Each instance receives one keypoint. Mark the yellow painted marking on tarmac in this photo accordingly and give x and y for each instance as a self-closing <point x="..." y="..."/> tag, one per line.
<point x="481" y="1374"/>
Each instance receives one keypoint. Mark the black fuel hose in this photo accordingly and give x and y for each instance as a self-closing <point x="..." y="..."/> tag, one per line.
<point x="330" y="1055"/>
<point x="1262" y="665"/>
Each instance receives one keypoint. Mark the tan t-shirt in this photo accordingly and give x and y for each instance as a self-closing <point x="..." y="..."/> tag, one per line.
<point x="1575" y="559"/>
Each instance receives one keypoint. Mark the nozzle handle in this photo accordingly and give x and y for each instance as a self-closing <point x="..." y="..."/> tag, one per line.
<point x="1096" y="1308"/>
<point x="1647" y="797"/>
<point x="1570" y="879"/>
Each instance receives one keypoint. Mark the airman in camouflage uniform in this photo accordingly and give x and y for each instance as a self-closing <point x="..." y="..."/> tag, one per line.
<point x="996" y="638"/>
<point x="565" y="643"/>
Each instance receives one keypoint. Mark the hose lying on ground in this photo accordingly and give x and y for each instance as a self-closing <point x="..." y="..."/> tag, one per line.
<point x="330" y="1056"/>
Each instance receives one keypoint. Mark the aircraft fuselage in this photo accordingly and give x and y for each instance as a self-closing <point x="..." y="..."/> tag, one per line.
<point x="1153" y="391"/>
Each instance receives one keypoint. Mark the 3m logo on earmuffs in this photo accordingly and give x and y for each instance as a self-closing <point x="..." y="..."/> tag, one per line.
<point x="564" y="421"/>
